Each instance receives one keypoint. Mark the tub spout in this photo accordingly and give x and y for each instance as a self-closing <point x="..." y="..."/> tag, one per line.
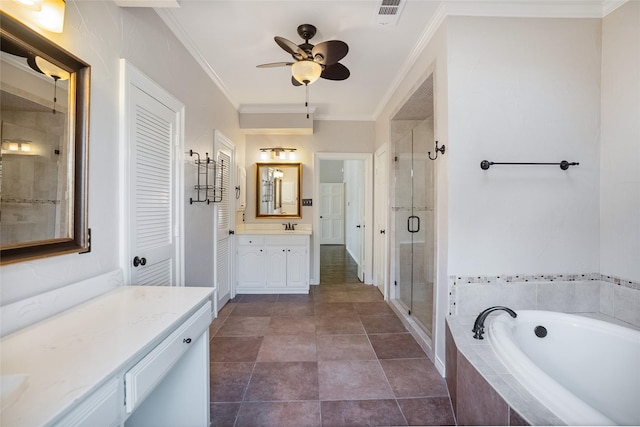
<point x="478" y="326"/>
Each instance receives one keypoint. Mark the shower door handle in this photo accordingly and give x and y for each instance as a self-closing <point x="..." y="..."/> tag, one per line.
<point x="411" y="221"/>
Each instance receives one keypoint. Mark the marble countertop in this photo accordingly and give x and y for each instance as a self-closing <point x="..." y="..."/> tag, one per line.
<point x="302" y="229"/>
<point x="279" y="232"/>
<point x="70" y="355"/>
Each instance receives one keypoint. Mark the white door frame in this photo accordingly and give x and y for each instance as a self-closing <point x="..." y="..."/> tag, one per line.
<point x="130" y="76"/>
<point x="367" y="158"/>
<point x="382" y="211"/>
<point x="221" y="142"/>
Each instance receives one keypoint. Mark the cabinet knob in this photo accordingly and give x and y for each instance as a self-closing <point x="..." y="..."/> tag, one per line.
<point x="186" y="340"/>
<point x="139" y="261"/>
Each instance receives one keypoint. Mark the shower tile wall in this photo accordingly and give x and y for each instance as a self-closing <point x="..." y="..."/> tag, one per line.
<point x="30" y="192"/>
<point x="577" y="293"/>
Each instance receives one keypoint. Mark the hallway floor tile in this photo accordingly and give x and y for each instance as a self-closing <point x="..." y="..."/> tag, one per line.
<point x="338" y="356"/>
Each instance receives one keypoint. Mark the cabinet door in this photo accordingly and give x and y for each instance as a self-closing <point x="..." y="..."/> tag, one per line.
<point x="276" y="265"/>
<point x="251" y="266"/>
<point x="297" y="275"/>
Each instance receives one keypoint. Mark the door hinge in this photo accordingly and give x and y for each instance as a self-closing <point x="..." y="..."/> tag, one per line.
<point x="395" y="283"/>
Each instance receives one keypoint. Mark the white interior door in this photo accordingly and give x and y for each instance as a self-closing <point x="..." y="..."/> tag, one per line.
<point x="225" y="220"/>
<point x="152" y="129"/>
<point x="381" y="201"/>
<point x="332" y="214"/>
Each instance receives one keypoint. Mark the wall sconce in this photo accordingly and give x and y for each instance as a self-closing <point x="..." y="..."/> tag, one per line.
<point x="46" y="14"/>
<point x="278" y="153"/>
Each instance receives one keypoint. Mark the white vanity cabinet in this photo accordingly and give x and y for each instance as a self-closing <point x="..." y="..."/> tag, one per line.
<point x="136" y="356"/>
<point x="277" y="263"/>
<point x="250" y="262"/>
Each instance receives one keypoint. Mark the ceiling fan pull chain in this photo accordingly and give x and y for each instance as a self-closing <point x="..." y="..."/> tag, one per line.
<point x="306" y="101"/>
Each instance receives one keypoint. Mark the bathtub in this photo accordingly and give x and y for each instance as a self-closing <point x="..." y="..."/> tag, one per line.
<point x="585" y="371"/>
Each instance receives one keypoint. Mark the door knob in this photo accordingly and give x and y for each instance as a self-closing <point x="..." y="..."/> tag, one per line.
<point x="357" y="226"/>
<point x="139" y="261"/>
<point x="382" y="231"/>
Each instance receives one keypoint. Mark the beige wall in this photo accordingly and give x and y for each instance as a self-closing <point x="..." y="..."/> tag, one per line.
<point x="328" y="136"/>
<point x="101" y="33"/>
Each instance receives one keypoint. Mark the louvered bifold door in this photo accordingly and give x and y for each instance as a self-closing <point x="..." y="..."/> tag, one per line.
<point x="152" y="191"/>
<point x="223" y="259"/>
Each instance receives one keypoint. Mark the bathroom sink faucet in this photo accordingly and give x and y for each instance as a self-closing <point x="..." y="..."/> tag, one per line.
<point x="478" y="326"/>
<point x="289" y="227"/>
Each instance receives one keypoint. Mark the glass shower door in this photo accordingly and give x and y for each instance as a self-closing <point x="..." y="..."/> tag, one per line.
<point x="403" y="213"/>
<point x="414" y="225"/>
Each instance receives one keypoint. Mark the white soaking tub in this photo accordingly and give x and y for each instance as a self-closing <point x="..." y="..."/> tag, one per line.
<point x="586" y="371"/>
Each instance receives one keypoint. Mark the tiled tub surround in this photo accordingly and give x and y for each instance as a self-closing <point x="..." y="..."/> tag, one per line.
<point x="482" y="390"/>
<point x="569" y="293"/>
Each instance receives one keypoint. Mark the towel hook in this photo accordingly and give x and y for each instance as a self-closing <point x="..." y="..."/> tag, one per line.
<point x="441" y="150"/>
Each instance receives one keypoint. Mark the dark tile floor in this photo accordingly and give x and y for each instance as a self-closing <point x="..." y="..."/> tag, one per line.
<point x="336" y="357"/>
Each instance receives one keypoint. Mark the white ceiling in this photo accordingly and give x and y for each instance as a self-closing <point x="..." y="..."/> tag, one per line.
<point x="230" y="37"/>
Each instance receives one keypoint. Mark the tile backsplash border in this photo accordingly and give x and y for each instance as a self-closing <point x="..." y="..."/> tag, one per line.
<point x="590" y="292"/>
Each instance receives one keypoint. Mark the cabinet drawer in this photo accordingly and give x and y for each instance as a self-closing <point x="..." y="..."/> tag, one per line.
<point x="146" y="374"/>
<point x="250" y="240"/>
<point x="102" y="408"/>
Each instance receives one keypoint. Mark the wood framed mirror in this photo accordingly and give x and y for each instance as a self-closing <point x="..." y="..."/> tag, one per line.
<point x="44" y="159"/>
<point x="278" y="190"/>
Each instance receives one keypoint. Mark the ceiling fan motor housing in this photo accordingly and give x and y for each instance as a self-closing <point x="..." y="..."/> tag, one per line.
<point x="306" y="31"/>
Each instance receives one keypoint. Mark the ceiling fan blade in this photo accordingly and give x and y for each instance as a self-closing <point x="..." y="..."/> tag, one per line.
<point x="335" y="72"/>
<point x="274" y="64"/>
<point x="295" y="82"/>
<point x="290" y="47"/>
<point x="329" y="52"/>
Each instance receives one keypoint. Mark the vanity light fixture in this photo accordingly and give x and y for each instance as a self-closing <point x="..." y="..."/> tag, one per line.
<point x="46" y="14"/>
<point x="278" y="153"/>
<point x="31" y="4"/>
<point x="16" y="146"/>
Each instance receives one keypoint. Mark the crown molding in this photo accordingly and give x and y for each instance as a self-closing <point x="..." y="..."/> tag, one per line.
<point x="609" y="6"/>
<point x="428" y="33"/>
<point x="527" y="8"/>
<point x="177" y="29"/>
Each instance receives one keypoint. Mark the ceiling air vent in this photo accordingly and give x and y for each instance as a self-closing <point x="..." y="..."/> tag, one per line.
<point x="388" y="11"/>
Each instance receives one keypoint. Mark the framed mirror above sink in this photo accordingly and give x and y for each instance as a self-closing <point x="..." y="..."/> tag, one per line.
<point x="278" y="190"/>
<point x="43" y="165"/>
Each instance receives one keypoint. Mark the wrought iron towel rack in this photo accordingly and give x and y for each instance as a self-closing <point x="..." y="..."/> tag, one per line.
<point x="564" y="165"/>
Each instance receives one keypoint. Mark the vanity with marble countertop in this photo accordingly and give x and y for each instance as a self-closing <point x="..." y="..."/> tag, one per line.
<point x="111" y="360"/>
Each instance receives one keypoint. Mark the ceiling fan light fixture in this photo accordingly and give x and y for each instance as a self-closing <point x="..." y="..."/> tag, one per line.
<point x="50" y="69"/>
<point x="306" y="72"/>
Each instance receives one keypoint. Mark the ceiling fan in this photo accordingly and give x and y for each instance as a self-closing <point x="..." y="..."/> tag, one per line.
<point x="312" y="62"/>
